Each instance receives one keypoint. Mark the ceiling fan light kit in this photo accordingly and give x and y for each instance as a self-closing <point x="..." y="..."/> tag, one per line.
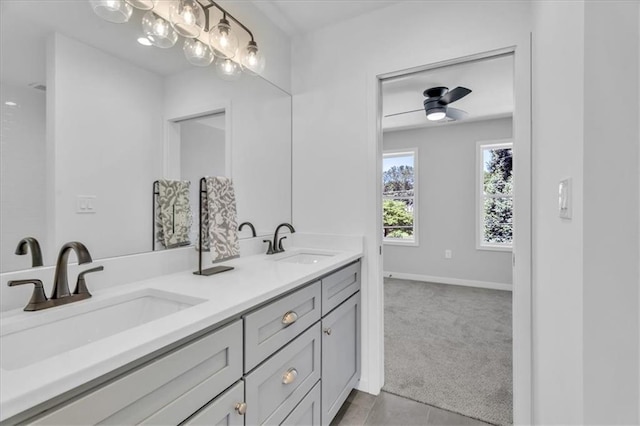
<point x="436" y="104"/>
<point x="191" y="20"/>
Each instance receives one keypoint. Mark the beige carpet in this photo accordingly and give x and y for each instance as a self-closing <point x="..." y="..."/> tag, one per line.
<point x="450" y="346"/>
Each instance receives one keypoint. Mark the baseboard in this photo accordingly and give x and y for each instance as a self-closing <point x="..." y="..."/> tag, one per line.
<point x="446" y="280"/>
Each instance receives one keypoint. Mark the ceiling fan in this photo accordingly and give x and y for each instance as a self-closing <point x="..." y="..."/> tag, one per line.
<point x="436" y="103"/>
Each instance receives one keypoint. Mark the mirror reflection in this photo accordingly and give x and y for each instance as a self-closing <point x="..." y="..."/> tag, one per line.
<point x="90" y="119"/>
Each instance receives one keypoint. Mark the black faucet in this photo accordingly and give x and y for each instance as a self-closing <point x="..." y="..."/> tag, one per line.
<point x="61" y="281"/>
<point x="34" y="247"/>
<point x="277" y="243"/>
<point x="250" y="225"/>
<point x="60" y="294"/>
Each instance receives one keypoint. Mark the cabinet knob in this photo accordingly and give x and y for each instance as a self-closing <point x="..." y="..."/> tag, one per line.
<point x="289" y="376"/>
<point x="241" y="408"/>
<point x="327" y="331"/>
<point x="289" y="318"/>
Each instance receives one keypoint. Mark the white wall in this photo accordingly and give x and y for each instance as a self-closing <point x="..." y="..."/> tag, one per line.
<point x="558" y="259"/>
<point x="116" y="162"/>
<point x="586" y="271"/>
<point x="611" y="237"/>
<point x="22" y="173"/>
<point x="334" y="77"/>
<point x="447" y="199"/>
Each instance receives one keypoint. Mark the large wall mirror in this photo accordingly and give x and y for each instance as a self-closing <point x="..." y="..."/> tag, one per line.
<point x="91" y="118"/>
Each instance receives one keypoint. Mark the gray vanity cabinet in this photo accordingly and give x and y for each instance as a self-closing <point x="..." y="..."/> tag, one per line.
<point x="165" y="391"/>
<point x="291" y="362"/>
<point x="307" y="413"/>
<point x="276" y="387"/>
<point x="340" y="355"/>
<point x="225" y="410"/>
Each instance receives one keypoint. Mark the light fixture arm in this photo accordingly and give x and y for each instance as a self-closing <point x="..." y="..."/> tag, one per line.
<point x="225" y="14"/>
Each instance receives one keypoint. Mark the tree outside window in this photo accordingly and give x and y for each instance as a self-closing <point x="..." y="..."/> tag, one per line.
<point x="496" y="196"/>
<point x="398" y="196"/>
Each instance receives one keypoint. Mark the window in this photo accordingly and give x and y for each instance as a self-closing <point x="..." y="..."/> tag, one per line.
<point x="399" y="201"/>
<point x="495" y="195"/>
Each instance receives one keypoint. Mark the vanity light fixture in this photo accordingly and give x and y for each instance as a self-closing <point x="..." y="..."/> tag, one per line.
<point x="197" y="53"/>
<point x="187" y="17"/>
<point x="228" y="69"/>
<point x="159" y="32"/>
<point x="223" y="41"/>
<point x="11" y="104"/>
<point x="116" y="11"/>
<point x="165" y="20"/>
<point x="252" y="60"/>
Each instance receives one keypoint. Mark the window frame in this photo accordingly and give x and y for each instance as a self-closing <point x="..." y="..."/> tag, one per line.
<point x="398" y="153"/>
<point x="481" y="146"/>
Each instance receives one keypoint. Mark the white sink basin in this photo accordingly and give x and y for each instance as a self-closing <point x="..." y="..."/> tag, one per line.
<point x="306" y="258"/>
<point x="34" y="336"/>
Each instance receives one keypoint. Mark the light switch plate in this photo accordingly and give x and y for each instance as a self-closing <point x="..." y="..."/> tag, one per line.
<point x="564" y="198"/>
<point x="86" y="204"/>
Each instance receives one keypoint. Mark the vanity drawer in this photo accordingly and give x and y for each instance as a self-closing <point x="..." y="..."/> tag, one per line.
<point x="166" y="391"/>
<point x="339" y="286"/>
<point x="222" y="411"/>
<point x="269" y="328"/>
<point x="307" y="413"/>
<point x="275" y="388"/>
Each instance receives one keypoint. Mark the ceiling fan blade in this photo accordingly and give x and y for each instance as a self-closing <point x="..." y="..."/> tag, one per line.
<point x="404" y="112"/>
<point x="456" y="114"/>
<point x="454" y="95"/>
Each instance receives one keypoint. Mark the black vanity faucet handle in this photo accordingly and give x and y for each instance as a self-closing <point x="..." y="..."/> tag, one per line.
<point x="280" y="248"/>
<point x="81" y="284"/>
<point x="270" y="248"/>
<point x="37" y="297"/>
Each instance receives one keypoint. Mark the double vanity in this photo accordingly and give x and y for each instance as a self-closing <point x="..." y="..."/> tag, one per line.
<point x="275" y="341"/>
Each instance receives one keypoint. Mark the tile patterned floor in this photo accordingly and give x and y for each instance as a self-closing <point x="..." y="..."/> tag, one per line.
<point x="363" y="409"/>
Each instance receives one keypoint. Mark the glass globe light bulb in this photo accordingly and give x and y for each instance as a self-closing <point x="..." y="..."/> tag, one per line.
<point x="158" y="31"/>
<point x="143" y="4"/>
<point x="252" y="60"/>
<point x="223" y="40"/>
<point x="116" y="11"/>
<point x="197" y="53"/>
<point x="187" y="17"/>
<point x="228" y="69"/>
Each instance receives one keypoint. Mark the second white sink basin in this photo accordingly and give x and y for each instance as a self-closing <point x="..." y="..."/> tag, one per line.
<point x="306" y="258"/>
<point x="35" y="336"/>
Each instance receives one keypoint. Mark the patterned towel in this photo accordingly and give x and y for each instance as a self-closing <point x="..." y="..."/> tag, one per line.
<point x="173" y="213"/>
<point x="222" y="219"/>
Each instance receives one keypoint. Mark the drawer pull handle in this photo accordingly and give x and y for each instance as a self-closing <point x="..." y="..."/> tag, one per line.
<point x="289" y="318"/>
<point x="241" y="408"/>
<point x="327" y="331"/>
<point x="289" y="376"/>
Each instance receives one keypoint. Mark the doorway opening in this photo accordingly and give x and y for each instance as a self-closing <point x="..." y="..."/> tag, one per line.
<point x="447" y="204"/>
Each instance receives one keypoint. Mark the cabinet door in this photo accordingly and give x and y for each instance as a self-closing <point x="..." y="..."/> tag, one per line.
<point x="225" y="410"/>
<point x="340" y="356"/>
<point x="307" y="413"/>
<point x="339" y="286"/>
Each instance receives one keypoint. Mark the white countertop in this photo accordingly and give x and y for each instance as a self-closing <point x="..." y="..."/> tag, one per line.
<point x="254" y="280"/>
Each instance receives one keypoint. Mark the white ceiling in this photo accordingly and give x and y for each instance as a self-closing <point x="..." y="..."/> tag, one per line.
<point x="296" y="17"/>
<point x="491" y="82"/>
